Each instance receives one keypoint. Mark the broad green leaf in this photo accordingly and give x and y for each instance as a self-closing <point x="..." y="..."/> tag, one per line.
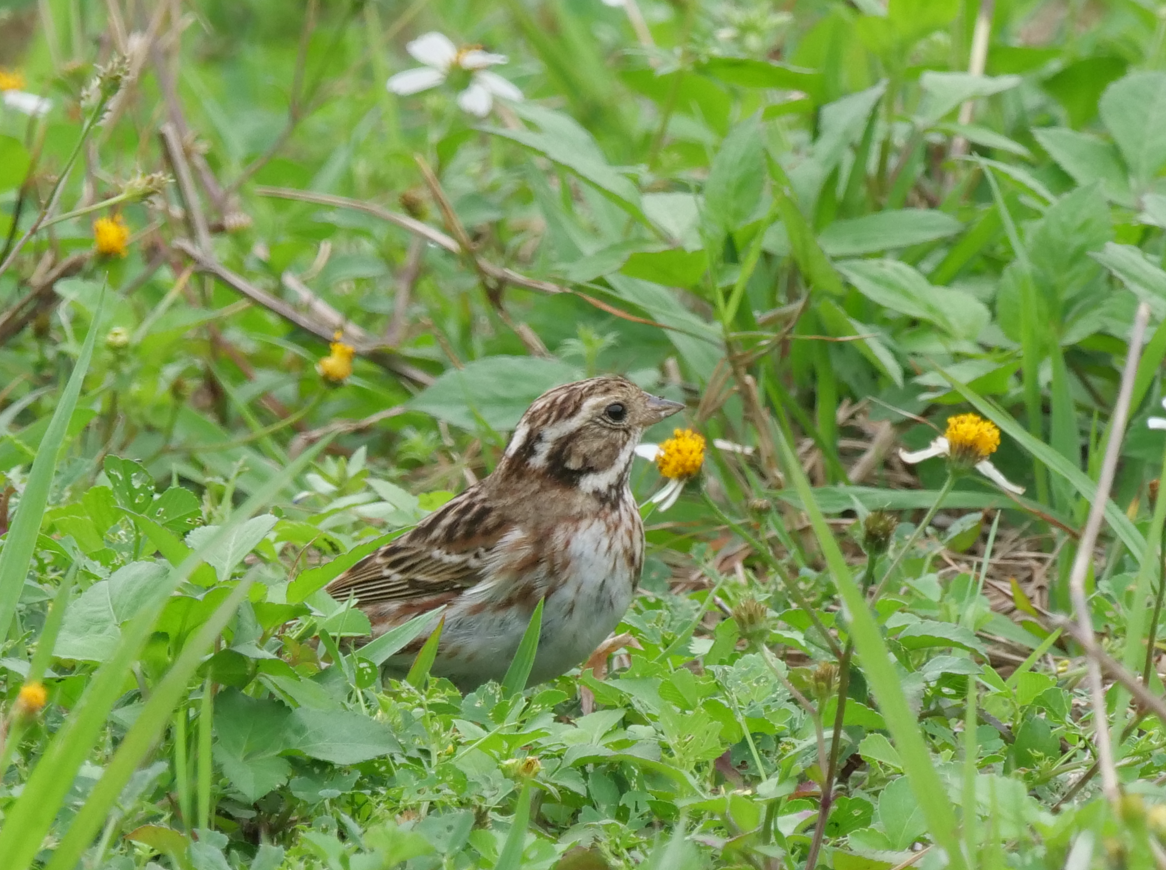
<point x="1134" y="111"/>
<point x="339" y="736"/>
<point x="944" y="91"/>
<point x="1138" y="273"/>
<point x="673" y="268"/>
<point x="511" y="856"/>
<point x="902" y="289"/>
<point x="92" y="626"/>
<point x="736" y="179"/>
<point x="132" y="485"/>
<point x="1087" y="159"/>
<point x="884" y="230"/>
<point x="232" y="547"/>
<point x="394" y="640"/>
<point x="495" y="390"/>
<point x="317" y="578"/>
<point x="876" y="747"/>
<point x="562" y="140"/>
<point x="900" y="816"/>
<point x="752" y="73"/>
<point x="250" y="734"/>
<point x="929" y="633"/>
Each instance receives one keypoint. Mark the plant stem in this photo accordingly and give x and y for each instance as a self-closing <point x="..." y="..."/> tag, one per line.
<point x="928" y="517"/>
<point x="1151" y="639"/>
<point x="827" y="800"/>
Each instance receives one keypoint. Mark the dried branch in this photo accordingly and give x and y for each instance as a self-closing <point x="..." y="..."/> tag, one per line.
<point x="1085" y="554"/>
<point x="321" y="319"/>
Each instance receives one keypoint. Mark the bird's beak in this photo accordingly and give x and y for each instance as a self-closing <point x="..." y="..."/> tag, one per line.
<point x="659" y="408"/>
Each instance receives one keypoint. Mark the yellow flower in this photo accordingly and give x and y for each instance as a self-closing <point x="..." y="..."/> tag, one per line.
<point x="337" y="366"/>
<point x="972" y="438"/>
<point x="110" y="236"/>
<point x="679" y="459"/>
<point x="967" y="443"/>
<point x="10" y="80"/>
<point x="32" y="699"/>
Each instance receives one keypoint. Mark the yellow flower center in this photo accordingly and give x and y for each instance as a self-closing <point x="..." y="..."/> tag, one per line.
<point x="111" y="236"/>
<point x="460" y="57"/>
<point x="972" y="438"/>
<point x="11" y="80"/>
<point x="337" y="366"/>
<point x="32" y="698"/>
<point x="682" y="455"/>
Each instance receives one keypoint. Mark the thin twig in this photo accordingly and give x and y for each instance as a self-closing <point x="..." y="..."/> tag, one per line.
<point x="406" y="281"/>
<point x="1084" y="556"/>
<point x="323" y="323"/>
<point x="192" y="209"/>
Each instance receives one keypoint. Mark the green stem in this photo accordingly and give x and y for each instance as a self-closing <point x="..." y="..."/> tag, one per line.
<point x="89" y="209"/>
<point x="827" y="800"/>
<point x="1151" y="639"/>
<point x="906" y="548"/>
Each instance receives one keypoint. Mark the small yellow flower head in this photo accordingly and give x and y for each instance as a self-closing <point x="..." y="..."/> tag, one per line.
<point x="10" y="80"/>
<point x="32" y="699"/>
<point x="117" y="338"/>
<point x="337" y="366"/>
<point x="682" y="455"/>
<point x="523" y="768"/>
<point x="111" y="236"/>
<point x="972" y="438"/>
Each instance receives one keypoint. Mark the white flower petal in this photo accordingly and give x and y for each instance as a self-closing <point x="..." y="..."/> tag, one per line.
<point x="732" y="447"/>
<point x="1156" y="422"/>
<point x="993" y="474"/>
<point x="475" y="59"/>
<point x="29" y="104"/>
<point x="498" y="86"/>
<point x="476" y="100"/>
<point x="411" y="81"/>
<point x="939" y="447"/>
<point x="648" y="451"/>
<point x="614" y="2"/>
<point x="1164" y="402"/>
<point x="667" y="495"/>
<point x="433" y="49"/>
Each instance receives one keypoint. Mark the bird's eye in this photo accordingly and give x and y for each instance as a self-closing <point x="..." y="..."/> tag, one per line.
<point x="615" y="412"/>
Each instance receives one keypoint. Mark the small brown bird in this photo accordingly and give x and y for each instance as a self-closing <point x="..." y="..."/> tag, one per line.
<point x="555" y="521"/>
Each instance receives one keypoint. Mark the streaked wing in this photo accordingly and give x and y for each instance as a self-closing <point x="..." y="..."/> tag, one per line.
<point x="448" y="552"/>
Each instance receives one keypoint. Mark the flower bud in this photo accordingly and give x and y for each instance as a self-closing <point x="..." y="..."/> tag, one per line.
<point x="752" y="618"/>
<point x="877" y="530"/>
<point x="824" y="680"/>
<point x="523" y="768"/>
<point x="117" y="339"/>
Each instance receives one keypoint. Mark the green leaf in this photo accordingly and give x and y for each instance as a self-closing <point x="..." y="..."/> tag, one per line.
<point x="92" y="626"/>
<point x="563" y="141"/>
<point x="250" y="734"/>
<point x="20" y="542"/>
<point x="394" y="640"/>
<point x="230" y="549"/>
<point x="519" y="671"/>
<point x="736" y="179"/>
<point x="944" y="91"/>
<point x="902" y="289"/>
<point x="1138" y="273"/>
<point x="900" y="816"/>
<point x="419" y="672"/>
<point x="885" y="230"/>
<point x="511" y="856"/>
<point x="495" y="390"/>
<point x="132" y="485"/>
<point x="317" y="578"/>
<point x="1134" y="111"/>
<point x="876" y="747"/>
<point x="1087" y="159"/>
<point x="339" y="736"/>
<point x="674" y="267"/>
<point x="749" y="72"/>
<point x="928" y="633"/>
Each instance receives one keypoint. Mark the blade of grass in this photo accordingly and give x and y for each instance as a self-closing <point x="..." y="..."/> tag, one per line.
<point x="879" y="668"/>
<point x="394" y="640"/>
<point x="143" y="734"/>
<point x="29" y="818"/>
<point x="511" y="857"/>
<point x="519" y="671"/>
<point x="20" y="542"/>
<point x="425" y="659"/>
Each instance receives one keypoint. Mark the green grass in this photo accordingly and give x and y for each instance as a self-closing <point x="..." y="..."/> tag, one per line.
<point x="757" y="208"/>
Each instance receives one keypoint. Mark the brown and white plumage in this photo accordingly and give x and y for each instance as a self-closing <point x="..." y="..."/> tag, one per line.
<point x="556" y="520"/>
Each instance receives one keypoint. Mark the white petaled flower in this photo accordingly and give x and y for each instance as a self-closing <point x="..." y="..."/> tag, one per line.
<point x="442" y="59"/>
<point x="967" y="443"/>
<point x="13" y="97"/>
<point x="678" y="459"/>
<point x="1157" y="422"/>
<point x="615" y="2"/>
